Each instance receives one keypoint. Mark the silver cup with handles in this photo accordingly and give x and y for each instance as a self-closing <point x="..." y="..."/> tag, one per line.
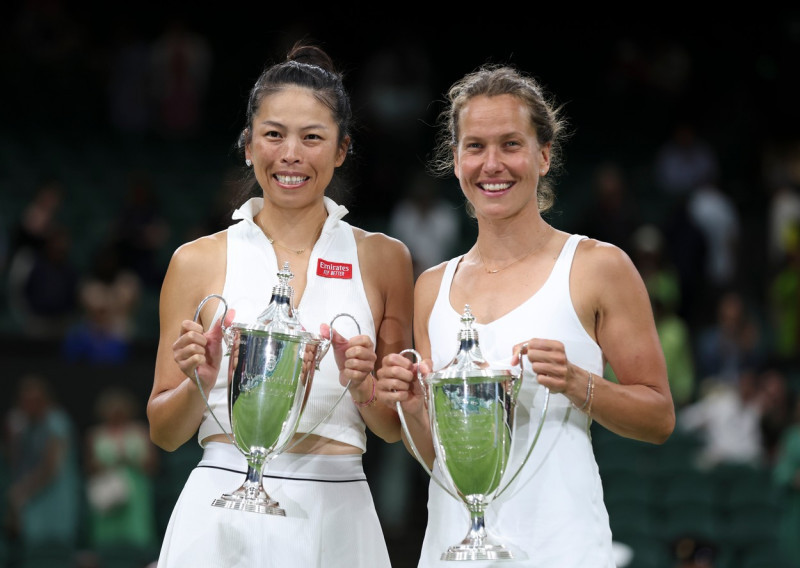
<point x="270" y="372"/>
<point x="472" y="409"/>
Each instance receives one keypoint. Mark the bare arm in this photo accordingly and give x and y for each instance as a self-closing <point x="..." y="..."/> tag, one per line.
<point x="175" y="408"/>
<point x="613" y="304"/>
<point x="386" y="266"/>
<point x="398" y="374"/>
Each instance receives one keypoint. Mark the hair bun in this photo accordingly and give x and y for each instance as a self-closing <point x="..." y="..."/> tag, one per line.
<point x="310" y="55"/>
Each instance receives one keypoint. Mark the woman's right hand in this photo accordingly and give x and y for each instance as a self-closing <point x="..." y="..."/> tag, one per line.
<point x="398" y="381"/>
<point x="201" y="351"/>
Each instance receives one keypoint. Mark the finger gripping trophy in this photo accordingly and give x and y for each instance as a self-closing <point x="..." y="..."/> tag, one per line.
<point x="270" y="371"/>
<point x="472" y="407"/>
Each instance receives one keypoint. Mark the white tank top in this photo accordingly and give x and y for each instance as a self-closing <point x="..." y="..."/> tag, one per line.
<point x="334" y="286"/>
<point x="553" y="513"/>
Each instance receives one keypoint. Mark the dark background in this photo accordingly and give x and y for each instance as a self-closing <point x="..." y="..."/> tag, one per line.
<point x="626" y="79"/>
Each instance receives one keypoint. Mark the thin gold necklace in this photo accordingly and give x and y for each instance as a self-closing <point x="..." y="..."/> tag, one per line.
<point x="273" y="242"/>
<point x="512" y="263"/>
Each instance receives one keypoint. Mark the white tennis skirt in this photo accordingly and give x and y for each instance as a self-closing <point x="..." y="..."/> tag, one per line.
<point x="330" y="519"/>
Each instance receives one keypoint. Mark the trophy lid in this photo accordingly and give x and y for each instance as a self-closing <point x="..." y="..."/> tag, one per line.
<point x="279" y="316"/>
<point x="469" y="361"/>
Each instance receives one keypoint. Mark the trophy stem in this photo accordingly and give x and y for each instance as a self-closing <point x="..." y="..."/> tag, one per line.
<point x="477" y="545"/>
<point x="251" y="495"/>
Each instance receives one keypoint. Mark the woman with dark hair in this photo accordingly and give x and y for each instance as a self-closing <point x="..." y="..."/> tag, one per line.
<point x="296" y="137"/>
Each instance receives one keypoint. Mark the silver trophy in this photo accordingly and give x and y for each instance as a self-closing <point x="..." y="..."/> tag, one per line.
<point x="471" y="408"/>
<point x="271" y="368"/>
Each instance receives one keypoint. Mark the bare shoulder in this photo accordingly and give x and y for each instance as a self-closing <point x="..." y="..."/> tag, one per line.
<point x="604" y="275"/>
<point x="599" y="257"/>
<point x="197" y="268"/>
<point x="428" y="284"/>
<point x="200" y="252"/>
<point x="377" y="246"/>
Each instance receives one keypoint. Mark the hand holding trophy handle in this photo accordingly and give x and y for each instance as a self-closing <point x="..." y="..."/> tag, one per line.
<point x="323" y="349"/>
<point x="226" y="338"/>
<point x="271" y="366"/>
<point x="516" y="383"/>
<point x="472" y="412"/>
<point x="226" y="335"/>
<point x="410" y="439"/>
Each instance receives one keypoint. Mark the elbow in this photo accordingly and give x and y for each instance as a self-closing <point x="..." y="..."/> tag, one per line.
<point x="390" y="436"/>
<point x="393" y="438"/>
<point x="665" y="426"/>
<point x="163" y="442"/>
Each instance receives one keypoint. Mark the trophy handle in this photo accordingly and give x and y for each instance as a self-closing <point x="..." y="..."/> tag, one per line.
<point x="326" y="343"/>
<point x="226" y="337"/>
<point x="324" y="346"/>
<point x="411" y="443"/>
<point x="515" y="386"/>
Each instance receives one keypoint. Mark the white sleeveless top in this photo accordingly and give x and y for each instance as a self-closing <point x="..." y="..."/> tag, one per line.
<point x="553" y="513"/>
<point x="334" y="286"/>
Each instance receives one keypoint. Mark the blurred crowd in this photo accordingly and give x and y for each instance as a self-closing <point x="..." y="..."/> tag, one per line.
<point x="716" y="240"/>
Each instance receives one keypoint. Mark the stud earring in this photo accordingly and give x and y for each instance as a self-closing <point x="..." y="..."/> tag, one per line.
<point x="248" y="162"/>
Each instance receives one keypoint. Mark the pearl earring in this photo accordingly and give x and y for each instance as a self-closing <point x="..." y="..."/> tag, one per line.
<point x="248" y="162"/>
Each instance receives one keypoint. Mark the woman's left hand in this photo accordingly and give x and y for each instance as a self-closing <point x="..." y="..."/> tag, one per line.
<point x="548" y="359"/>
<point x="355" y="357"/>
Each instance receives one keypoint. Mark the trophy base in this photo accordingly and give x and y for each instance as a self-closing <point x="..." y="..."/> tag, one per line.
<point x="477" y="552"/>
<point x="237" y="503"/>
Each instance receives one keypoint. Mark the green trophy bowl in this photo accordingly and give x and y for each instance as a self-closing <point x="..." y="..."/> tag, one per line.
<point x="471" y="409"/>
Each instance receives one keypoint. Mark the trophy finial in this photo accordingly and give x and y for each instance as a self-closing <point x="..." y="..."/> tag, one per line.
<point x="284" y="274"/>
<point x="467" y="331"/>
<point x="279" y="314"/>
<point x="467" y="318"/>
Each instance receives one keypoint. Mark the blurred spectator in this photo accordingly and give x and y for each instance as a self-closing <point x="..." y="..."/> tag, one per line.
<point x="40" y="216"/>
<point x="715" y="213"/>
<point x="783" y="300"/>
<point x="663" y="287"/>
<point x="691" y="552"/>
<point x="43" y="286"/>
<point x="181" y="61"/>
<point x="684" y="161"/>
<point x="687" y="250"/>
<point x="612" y="214"/>
<point x="27" y="239"/>
<point x="777" y="408"/>
<point x="140" y="231"/>
<point x="109" y="295"/>
<point x="119" y="288"/>
<point x="94" y="338"/>
<point x="786" y="475"/>
<point x="658" y="272"/>
<point x="426" y="222"/>
<point x="45" y="492"/>
<point x="727" y="416"/>
<point x="732" y="343"/>
<point x="121" y="463"/>
<point x="783" y="221"/>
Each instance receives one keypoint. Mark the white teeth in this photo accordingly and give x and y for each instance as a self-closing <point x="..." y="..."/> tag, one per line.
<point x="495" y="186"/>
<point x="290" y="180"/>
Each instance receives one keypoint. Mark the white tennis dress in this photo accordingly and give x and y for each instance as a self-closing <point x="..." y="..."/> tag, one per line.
<point x="553" y="514"/>
<point x="330" y="519"/>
